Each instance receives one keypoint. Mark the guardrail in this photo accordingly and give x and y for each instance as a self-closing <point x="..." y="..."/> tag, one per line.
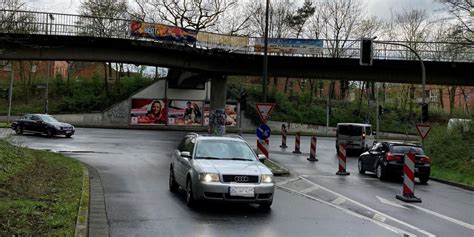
<point x="44" y="23"/>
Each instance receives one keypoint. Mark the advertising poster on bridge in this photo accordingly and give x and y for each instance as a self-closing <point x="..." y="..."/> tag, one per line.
<point x="162" y="32"/>
<point x="223" y="41"/>
<point x="148" y="112"/>
<point x="185" y="112"/>
<point x="230" y="112"/>
<point x="293" y="46"/>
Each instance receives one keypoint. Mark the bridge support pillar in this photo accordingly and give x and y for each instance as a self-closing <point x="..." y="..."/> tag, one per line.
<point x="217" y="116"/>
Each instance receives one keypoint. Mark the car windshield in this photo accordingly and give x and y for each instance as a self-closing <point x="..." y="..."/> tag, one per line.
<point x="224" y="150"/>
<point x="349" y="130"/>
<point x="49" y="119"/>
<point x="406" y="149"/>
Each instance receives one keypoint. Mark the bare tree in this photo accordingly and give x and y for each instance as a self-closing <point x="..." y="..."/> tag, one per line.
<point x="196" y="14"/>
<point x="463" y="11"/>
<point x="413" y="27"/>
<point x="103" y="23"/>
<point x="10" y="17"/>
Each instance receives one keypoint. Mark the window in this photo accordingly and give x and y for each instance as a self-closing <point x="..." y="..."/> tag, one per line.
<point x="406" y="149"/>
<point x="350" y="130"/>
<point x="225" y="150"/>
<point x="35" y="118"/>
<point x="368" y="130"/>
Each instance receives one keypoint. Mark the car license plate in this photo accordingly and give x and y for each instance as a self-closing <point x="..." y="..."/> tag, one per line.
<point x="242" y="191"/>
<point x="68" y="131"/>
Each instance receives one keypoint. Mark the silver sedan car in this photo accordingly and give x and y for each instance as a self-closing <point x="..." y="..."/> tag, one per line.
<point x="220" y="168"/>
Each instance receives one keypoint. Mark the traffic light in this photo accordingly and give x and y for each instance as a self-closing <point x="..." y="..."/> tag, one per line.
<point x="243" y="100"/>
<point x="424" y="112"/>
<point x="366" y="52"/>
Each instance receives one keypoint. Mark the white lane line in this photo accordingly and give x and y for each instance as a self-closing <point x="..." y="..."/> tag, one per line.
<point x="385" y="201"/>
<point x="336" y="177"/>
<point x="310" y="189"/>
<point x="379" y="218"/>
<point x="287" y="181"/>
<point x="384" y="225"/>
<point x="461" y="223"/>
<point x="338" y="201"/>
<point x="371" y="209"/>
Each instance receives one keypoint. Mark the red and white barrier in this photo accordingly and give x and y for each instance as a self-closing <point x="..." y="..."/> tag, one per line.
<point x="408" y="194"/>
<point x="312" y="150"/>
<point x="342" y="160"/>
<point x="297" y="143"/>
<point x="283" y="137"/>
<point x="262" y="146"/>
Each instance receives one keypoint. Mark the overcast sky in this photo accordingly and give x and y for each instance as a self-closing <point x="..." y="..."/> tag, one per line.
<point x="381" y="8"/>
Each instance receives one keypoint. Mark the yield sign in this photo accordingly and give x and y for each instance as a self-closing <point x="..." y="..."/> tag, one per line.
<point x="264" y="109"/>
<point x="423" y="130"/>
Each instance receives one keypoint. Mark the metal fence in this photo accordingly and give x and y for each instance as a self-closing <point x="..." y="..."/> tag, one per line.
<point x="28" y="22"/>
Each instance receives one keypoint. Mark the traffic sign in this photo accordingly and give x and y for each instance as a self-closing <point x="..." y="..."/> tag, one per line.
<point x="264" y="109"/>
<point x="263" y="131"/>
<point x="423" y="130"/>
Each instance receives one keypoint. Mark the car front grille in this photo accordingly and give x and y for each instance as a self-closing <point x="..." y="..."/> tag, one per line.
<point x="240" y="178"/>
<point x="66" y="128"/>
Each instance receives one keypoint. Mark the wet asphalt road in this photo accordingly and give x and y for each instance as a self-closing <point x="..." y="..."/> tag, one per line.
<point x="133" y="165"/>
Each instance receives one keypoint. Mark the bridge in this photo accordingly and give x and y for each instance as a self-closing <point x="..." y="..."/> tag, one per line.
<point x="28" y="35"/>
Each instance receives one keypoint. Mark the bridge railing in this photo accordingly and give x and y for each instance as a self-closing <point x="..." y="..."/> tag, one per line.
<point x="29" y="22"/>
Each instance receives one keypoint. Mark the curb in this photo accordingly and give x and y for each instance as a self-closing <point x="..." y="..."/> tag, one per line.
<point x="459" y="185"/>
<point x="98" y="221"/>
<point x="281" y="171"/>
<point x="83" y="212"/>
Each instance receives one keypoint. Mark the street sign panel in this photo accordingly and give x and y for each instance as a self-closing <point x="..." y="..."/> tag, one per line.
<point x="263" y="131"/>
<point x="423" y="130"/>
<point x="264" y="109"/>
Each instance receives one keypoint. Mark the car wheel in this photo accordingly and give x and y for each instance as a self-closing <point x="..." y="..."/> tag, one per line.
<point x="49" y="132"/>
<point x="172" y="182"/>
<point x="190" y="201"/>
<point x="359" y="165"/>
<point x="19" y="130"/>
<point x="423" y="179"/>
<point x="380" y="172"/>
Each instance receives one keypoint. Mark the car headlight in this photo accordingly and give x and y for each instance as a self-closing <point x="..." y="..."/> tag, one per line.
<point x="209" y="177"/>
<point x="266" y="178"/>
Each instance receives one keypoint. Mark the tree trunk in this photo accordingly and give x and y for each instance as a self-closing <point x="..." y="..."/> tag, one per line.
<point x="332" y="94"/>
<point x="412" y="96"/>
<point x="106" y="83"/>
<point x="452" y="97"/>
<point x="286" y="85"/>
<point x="360" y="97"/>
<point x="441" y="102"/>
<point x="311" y="85"/>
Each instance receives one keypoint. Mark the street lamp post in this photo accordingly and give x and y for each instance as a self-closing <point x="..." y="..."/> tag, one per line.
<point x="10" y="92"/>
<point x="423" y="72"/>
<point x="265" y="55"/>
<point x="48" y="74"/>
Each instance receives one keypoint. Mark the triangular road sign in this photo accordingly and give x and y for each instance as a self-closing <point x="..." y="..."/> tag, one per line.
<point x="264" y="109"/>
<point x="423" y="130"/>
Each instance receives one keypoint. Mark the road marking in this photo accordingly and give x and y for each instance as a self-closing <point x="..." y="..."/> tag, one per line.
<point x="385" y="201"/>
<point x="336" y="177"/>
<point x="310" y="189"/>
<point x="338" y="201"/>
<point x="377" y="222"/>
<point x="371" y="209"/>
<point x="287" y="181"/>
<point x="461" y="223"/>
<point x="379" y="218"/>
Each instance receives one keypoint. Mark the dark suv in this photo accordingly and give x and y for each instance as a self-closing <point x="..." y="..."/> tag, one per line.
<point x="42" y="124"/>
<point x="387" y="158"/>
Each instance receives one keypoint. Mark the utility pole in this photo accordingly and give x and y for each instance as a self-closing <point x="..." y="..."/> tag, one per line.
<point x="265" y="55"/>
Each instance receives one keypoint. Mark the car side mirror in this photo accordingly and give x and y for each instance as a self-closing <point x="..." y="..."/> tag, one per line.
<point x="262" y="157"/>
<point x="374" y="133"/>
<point x="186" y="154"/>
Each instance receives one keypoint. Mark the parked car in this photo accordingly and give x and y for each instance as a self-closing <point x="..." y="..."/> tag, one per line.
<point x="42" y="124"/>
<point x="220" y="168"/>
<point x="357" y="136"/>
<point x="386" y="159"/>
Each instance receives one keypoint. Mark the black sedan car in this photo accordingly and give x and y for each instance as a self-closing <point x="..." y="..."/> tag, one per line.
<point x="42" y="124"/>
<point x="386" y="159"/>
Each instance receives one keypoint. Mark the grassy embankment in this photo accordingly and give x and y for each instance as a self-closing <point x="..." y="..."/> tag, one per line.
<point x="452" y="154"/>
<point x="39" y="192"/>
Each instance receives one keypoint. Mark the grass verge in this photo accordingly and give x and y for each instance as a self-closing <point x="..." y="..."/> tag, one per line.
<point x="276" y="169"/>
<point x="39" y="192"/>
<point x="4" y="125"/>
<point x="452" y="154"/>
